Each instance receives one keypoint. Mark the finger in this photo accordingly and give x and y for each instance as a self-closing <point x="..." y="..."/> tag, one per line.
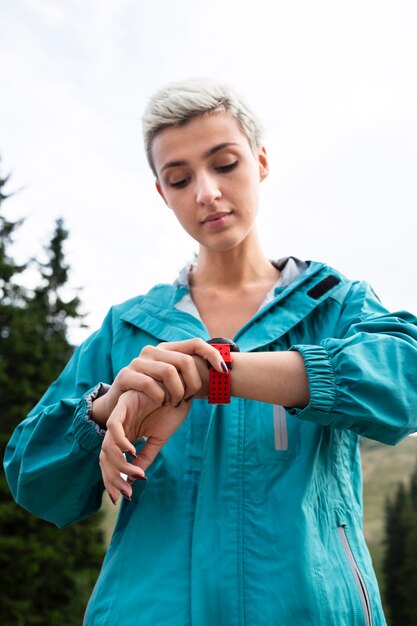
<point x="111" y="456"/>
<point x="148" y="454"/>
<point x="197" y="347"/>
<point x="185" y="366"/>
<point x="113" y="464"/>
<point x="127" y="401"/>
<point x="112" y="479"/>
<point x="116" y="485"/>
<point x="136" y="377"/>
<point x="175" y="372"/>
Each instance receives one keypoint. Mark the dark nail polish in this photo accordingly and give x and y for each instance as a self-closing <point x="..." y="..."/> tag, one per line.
<point x="125" y="495"/>
<point x="141" y="478"/>
<point x="188" y="399"/>
<point x="178" y="403"/>
<point x="112" y="500"/>
<point x="224" y="367"/>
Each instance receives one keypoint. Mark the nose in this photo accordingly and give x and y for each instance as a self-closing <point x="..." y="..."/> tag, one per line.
<point x="207" y="189"/>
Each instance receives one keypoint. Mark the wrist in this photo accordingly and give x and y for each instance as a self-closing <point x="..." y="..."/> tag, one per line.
<point x="99" y="411"/>
<point x="203" y="371"/>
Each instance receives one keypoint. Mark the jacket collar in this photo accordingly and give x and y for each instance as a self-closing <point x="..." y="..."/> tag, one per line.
<point x="156" y="314"/>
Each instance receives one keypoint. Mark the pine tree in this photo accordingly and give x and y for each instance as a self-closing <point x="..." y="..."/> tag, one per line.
<point x="400" y="560"/>
<point x="394" y="554"/>
<point x="408" y="572"/>
<point x="46" y="574"/>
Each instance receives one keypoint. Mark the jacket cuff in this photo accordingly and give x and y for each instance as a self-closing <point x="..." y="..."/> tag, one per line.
<point x="87" y="432"/>
<point x="321" y="381"/>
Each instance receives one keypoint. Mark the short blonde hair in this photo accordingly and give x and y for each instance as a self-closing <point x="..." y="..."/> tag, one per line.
<point x="178" y="102"/>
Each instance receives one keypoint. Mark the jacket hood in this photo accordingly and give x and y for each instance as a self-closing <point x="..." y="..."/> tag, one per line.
<point x="156" y="314"/>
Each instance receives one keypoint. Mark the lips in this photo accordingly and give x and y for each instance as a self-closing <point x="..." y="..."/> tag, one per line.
<point x="213" y="217"/>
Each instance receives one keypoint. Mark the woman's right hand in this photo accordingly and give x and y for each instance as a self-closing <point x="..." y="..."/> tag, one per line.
<point x="149" y="398"/>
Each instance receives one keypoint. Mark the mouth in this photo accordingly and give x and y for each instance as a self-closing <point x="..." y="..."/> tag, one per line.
<point x="216" y="218"/>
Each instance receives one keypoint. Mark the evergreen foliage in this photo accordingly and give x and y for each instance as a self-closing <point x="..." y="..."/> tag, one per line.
<point x="46" y="574"/>
<point x="400" y="561"/>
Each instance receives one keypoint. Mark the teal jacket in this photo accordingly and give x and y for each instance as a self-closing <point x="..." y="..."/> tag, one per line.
<point x="252" y="514"/>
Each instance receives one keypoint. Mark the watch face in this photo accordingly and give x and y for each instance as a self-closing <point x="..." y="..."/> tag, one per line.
<point x="222" y="340"/>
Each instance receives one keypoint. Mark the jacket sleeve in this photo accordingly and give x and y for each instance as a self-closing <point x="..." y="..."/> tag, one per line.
<point x="51" y="461"/>
<point x="365" y="379"/>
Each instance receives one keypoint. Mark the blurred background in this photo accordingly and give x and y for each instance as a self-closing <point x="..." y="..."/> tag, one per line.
<point x="335" y="84"/>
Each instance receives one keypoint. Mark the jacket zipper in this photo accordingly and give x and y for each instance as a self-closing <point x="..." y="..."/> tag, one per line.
<point x="280" y="428"/>
<point x="360" y="583"/>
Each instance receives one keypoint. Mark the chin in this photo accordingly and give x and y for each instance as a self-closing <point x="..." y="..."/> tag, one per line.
<point x="223" y="243"/>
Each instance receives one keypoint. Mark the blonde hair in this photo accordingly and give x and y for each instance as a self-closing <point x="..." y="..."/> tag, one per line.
<point x="178" y="102"/>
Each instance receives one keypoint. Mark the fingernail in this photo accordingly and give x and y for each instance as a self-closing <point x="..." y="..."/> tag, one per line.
<point x="224" y="367"/>
<point x="141" y="478"/>
<point x="125" y="495"/>
<point x="188" y="399"/>
<point x="178" y="403"/>
<point x="131" y="453"/>
<point x="113" y="501"/>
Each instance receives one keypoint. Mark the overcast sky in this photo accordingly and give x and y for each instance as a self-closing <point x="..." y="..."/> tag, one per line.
<point x="335" y="84"/>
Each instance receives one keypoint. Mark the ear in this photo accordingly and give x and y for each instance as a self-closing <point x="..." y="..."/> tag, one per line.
<point x="159" y="190"/>
<point x="263" y="164"/>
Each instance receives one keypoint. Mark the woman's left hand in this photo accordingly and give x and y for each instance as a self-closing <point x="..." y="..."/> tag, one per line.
<point x="136" y="416"/>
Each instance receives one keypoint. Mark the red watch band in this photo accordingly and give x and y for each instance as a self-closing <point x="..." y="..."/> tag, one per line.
<point x="219" y="382"/>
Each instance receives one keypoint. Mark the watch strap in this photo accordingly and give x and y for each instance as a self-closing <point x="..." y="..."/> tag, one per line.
<point x="219" y="382"/>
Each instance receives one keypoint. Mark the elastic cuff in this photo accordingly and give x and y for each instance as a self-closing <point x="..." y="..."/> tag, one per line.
<point x="88" y="433"/>
<point x="321" y="379"/>
<point x="97" y="392"/>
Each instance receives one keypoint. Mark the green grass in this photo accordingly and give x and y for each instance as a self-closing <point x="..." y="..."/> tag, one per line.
<point x="383" y="468"/>
<point x="110" y="513"/>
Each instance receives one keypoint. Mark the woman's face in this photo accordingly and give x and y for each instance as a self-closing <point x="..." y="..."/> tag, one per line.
<point x="209" y="176"/>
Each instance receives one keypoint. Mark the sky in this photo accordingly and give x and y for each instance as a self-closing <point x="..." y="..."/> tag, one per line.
<point x="335" y="84"/>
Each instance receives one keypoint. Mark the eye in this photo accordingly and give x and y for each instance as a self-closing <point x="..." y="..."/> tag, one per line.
<point x="226" y="168"/>
<point x="178" y="184"/>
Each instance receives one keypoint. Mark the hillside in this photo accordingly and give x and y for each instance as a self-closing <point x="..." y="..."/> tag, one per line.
<point x="383" y="468"/>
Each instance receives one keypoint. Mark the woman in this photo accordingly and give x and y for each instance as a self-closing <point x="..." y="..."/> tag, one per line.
<point x="240" y="513"/>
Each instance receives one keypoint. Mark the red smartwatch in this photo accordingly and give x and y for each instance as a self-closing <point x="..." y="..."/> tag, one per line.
<point x="219" y="382"/>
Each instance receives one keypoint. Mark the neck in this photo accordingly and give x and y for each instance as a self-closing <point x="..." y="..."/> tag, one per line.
<point x="233" y="269"/>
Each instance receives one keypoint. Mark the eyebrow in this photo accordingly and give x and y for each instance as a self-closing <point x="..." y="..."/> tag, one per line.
<point x="206" y="155"/>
